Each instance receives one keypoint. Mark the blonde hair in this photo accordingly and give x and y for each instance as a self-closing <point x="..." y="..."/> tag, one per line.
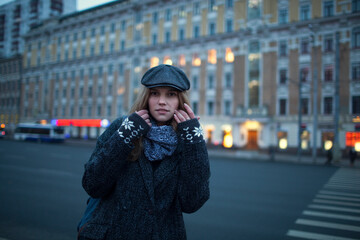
<point x="141" y="102"/>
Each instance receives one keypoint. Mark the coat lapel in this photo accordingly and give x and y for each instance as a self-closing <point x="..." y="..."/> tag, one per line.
<point x="147" y="174"/>
<point x="165" y="168"/>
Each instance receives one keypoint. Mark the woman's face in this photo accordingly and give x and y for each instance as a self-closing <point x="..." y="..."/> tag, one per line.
<point x="163" y="102"/>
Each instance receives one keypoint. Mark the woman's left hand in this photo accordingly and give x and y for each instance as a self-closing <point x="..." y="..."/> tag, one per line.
<point x="182" y="116"/>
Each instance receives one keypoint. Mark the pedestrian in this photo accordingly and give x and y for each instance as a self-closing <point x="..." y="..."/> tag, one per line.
<point x="148" y="168"/>
<point x="329" y="155"/>
<point x="352" y="155"/>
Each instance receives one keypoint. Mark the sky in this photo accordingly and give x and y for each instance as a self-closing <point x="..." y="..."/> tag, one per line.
<point x="81" y="4"/>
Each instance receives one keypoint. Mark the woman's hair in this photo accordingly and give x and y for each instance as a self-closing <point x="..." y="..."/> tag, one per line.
<point x="141" y="102"/>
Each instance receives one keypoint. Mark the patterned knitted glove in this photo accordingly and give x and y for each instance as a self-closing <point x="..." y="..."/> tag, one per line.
<point x="132" y="128"/>
<point x="191" y="131"/>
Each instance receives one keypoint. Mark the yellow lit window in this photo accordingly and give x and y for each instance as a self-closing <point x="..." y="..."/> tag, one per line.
<point x="154" y="61"/>
<point x="196" y="61"/>
<point x="167" y="60"/>
<point x="212" y="56"/>
<point x="182" y="61"/>
<point x="229" y="55"/>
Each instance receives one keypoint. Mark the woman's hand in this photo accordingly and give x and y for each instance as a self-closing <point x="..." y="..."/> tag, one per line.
<point x="182" y="116"/>
<point x="144" y="114"/>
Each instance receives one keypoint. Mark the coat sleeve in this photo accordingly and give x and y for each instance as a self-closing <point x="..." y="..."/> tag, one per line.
<point x="193" y="189"/>
<point x="110" y="156"/>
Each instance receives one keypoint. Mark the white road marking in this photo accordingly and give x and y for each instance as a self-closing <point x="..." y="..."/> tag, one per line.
<point x="328" y="225"/>
<point x="331" y="215"/>
<point x="315" y="236"/>
<point x="340" y="209"/>
<point x="338" y="198"/>
<point x="336" y="202"/>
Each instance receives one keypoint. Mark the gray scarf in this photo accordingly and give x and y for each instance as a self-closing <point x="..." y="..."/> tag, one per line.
<point x="159" y="142"/>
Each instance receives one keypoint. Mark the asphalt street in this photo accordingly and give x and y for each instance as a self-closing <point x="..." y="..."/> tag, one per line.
<point x="41" y="197"/>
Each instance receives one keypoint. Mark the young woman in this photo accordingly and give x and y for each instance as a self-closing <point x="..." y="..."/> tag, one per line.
<point x="150" y="167"/>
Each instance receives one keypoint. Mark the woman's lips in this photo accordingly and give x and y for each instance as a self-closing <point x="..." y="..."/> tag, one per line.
<point x="162" y="111"/>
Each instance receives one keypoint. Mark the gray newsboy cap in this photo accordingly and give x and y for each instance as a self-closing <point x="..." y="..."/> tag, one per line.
<point x="166" y="76"/>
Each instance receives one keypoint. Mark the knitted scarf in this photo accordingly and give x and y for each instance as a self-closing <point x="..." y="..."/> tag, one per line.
<point x="159" y="142"/>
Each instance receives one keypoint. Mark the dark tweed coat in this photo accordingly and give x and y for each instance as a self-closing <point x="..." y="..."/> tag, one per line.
<point x="137" y="202"/>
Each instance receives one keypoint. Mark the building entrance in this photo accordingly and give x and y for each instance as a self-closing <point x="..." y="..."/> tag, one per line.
<point x="252" y="143"/>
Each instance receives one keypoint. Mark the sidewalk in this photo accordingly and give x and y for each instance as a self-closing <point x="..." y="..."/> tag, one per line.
<point x="247" y="155"/>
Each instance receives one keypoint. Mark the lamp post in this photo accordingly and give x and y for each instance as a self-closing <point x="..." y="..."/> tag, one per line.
<point x="315" y="94"/>
<point x="336" y="147"/>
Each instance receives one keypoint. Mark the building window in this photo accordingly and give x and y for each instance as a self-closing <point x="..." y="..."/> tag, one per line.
<point x="254" y="9"/>
<point x="356" y="37"/>
<point x="328" y="43"/>
<point x="182" y="12"/>
<point x="227" y="107"/>
<point x="283" y="16"/>
<point x="355" y="5"/>
<point x="181" y="34"/>
<point x="356" y="105"/>
<point x="210" y="108"/>
<point x="212" y="56"/>
<point x="167" y="36"/>
<point x="229" y="25"/>
<point x="98" y="110"/>
<point x="355" y="71"/>
<point x="196" y="8"/>
<point x="154" y="39"/>
<point x="168" y="15"/>
<point x="229" y="3"/>
<point x="228" y="80"/>
<point x="304" y="74"/>
<point x="212" y="29"/>
<point x="195" y="108"/>
<point x="305" y="106"/>
<point x="123" y="25"/>
<point x="282" y="106"/>
<point x="196" y="31"/>
<point x="90" y="91"/>
<point x="122" y="45"/>
<point x="283" y="48"/>
<point x="304" y="46"/>
<point x="283" y="76"/>
<point x="89" y="111"/>
<point x="304" y="12"/>
<point x="212" y="5"/>
<point x="328" y="105"/>
<point x="328" y="8"/>
<point x="195" y="82"/>
<point x="211" y="82"/>
<point x="229" y="55"/>
<point x="108" y="110"/>
<point x="155" y="18"/>
<point x="113" y="27"/>
<point x="328" y="74"/>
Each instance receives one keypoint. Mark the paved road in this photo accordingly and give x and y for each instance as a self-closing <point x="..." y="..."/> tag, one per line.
<point x="41" y="197"/>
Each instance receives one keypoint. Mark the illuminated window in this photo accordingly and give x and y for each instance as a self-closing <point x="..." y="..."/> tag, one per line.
<point x="229" y="55"/>
<point x="212" y="56"/>
<point x="196" y="61"/>
<point x="154" y="61"/>
<point x="167" y="60"/>
<point x="182" y="61"/>
<point x="254" y="10"/>
<point x="182" y="12"/>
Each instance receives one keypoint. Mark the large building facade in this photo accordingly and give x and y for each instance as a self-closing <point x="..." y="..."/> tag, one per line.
<point x="19" y="16"/>
<point x="256" y="66"/>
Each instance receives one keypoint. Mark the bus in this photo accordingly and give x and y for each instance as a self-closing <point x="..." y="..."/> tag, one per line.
<point x="39" y="132"/>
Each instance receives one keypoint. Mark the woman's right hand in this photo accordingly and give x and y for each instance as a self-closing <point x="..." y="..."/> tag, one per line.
<point x="144" y="114"/>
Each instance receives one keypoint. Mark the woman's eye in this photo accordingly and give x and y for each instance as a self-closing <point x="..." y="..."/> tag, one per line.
<point x="172" y="94"/>
<point x="153" y="93"/>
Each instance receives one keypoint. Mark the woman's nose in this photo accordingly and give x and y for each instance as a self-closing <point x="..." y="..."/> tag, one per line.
<point x="162" y="99"/>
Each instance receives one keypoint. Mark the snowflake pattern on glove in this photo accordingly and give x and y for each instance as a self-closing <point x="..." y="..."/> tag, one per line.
<point x="128" y="124"/>
<point x="130" y="129"/>
<point x="192" y="134"/>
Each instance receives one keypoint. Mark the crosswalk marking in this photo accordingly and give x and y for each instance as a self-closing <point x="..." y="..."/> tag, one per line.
<point x="331" y="215"/>
<point x="328" y="225"/>
<point x="336" y="202"/>
<point x="316" y="236"/>
<point x="338" y="198"/>
<point x="339" y="193"/>
<point x="334" y="213"/>
<point x="340" y="209"/>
